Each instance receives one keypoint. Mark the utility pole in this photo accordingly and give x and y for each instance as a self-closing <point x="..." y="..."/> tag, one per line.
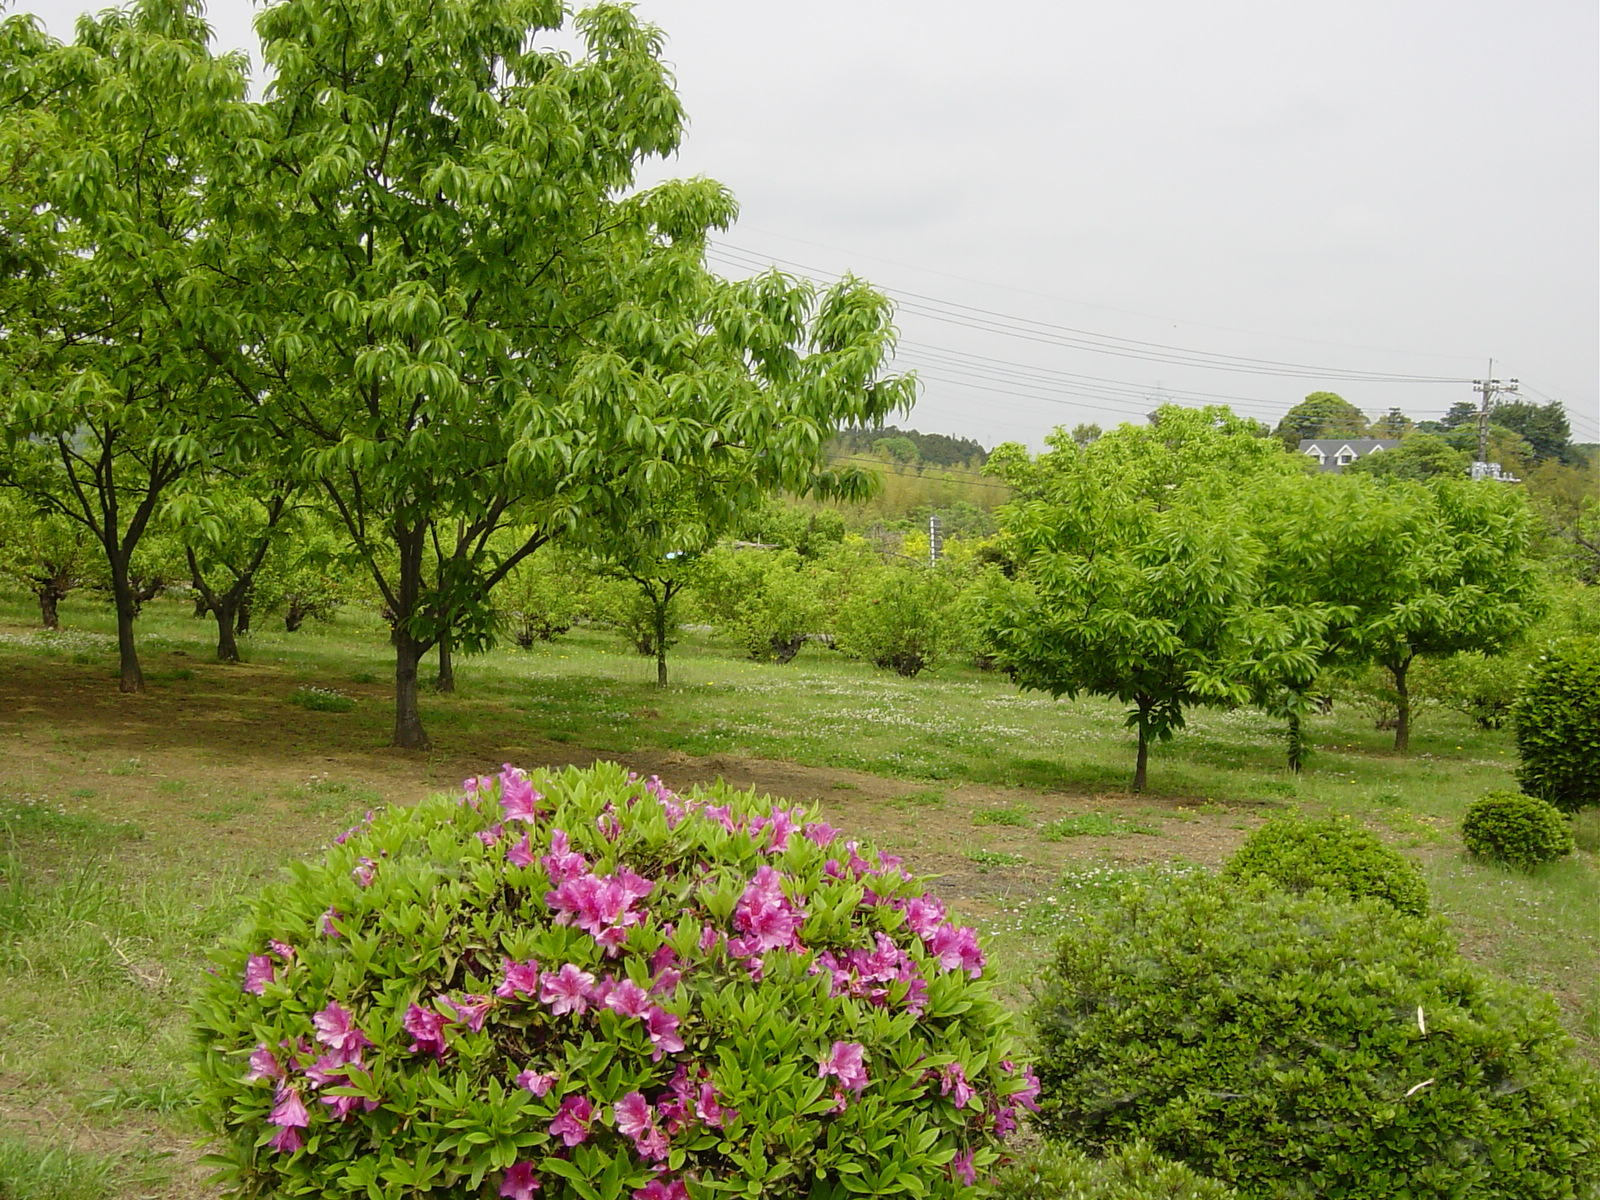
<point x="1489" y="387"/>
<point x="935" y="540"/>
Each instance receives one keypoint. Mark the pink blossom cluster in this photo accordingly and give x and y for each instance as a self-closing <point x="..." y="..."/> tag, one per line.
<point x="601" y="906"/>
<point x="867" y="974"/>
<point x="342" y="1042"/>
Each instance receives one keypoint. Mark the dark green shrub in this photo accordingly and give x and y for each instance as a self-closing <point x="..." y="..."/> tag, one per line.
<point x="1129" y="1173"/>
<point x="1557" y="716"/>
<point x="1522" y="831"/>
<point x="1297" y="1046"/>
<point x="585" y="984"/>
<point x="1335" y="855"/>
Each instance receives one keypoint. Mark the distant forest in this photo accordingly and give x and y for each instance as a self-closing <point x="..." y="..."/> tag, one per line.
<point x="910" y="447"/>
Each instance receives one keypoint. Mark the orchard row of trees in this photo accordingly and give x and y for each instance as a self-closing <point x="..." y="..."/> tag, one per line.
<point x="414" y="288"/>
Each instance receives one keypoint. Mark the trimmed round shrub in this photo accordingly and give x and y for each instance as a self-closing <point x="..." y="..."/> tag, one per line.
<point x="584" y="985"/>
<point x="1522" y="831"/>
<point x="1336" y="855"/>
<point x="1557" y="717"/>
<point x="1133" y="1172"/>
<point x="1300" y="1046"/>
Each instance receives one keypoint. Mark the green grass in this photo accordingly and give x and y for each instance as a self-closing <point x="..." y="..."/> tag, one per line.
<point x="1093" y="824"/>
<point x="1019" y="818"/>
<point x="31" y="1172"/>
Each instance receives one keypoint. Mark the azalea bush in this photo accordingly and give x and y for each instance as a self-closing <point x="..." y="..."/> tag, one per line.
<point x="1333" y="854"/>
<point x="585" y="985"/>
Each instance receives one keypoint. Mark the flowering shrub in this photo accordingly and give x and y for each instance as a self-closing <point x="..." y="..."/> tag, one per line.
<point x="585" y="985"/>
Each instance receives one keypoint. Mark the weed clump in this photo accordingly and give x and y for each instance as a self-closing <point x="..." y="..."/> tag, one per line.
<point x="1518" y="830"/>
<point x="1335" y="855"/>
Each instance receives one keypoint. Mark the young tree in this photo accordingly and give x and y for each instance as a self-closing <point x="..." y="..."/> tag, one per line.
<point x="107" y="402"/>
<point x="1425" y="570"/>
<point x="228" y="527"/>
<point x="473" y="323"/>
<point x="1137" y="572"/>
<point x="45" y="552"/>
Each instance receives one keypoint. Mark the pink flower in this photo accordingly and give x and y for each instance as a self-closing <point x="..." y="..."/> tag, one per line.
<point x="521" y="855"/>
<point x="519" y="1183"/>
<point x="286" y="1141"/>
<point x="629" y="999"/>
<point x="659" y="1189"/>
<point x="328" y="918"/>
<point x="343" y="1106"/>
<point x="764" y="913"/>
<point x="924" y="916"/>
<point x="257" y="973"/>
<point x="663" y="1027"/>
<point x="566" y="990"/>
<point x="572" y="1122"/>
<point x="845" y="1062"/>
<point x="282" y="949"/>
<point x="335" y="1031"/>
<point x="491" y="836"/>
<point x="953" y="1083"/>
<point x="1028" y="1094"/>
<point x="821" y="832"/>
<point x="288" y="1109"/>
<point x="264" y="1064"/>
<point x="365" y="871"/>
<point x="471" y="1010"/>
<point x="632" y="1115"/>
<point x="537" y="1082"/>
<point x="709" y="1109"/>
<point x="517" y="796"/>
<point x="562" y="863"/>
<point x="426" y="1028"/>
<point x="520" y="977"/>
<point x="961" y="1168"/>
<point x="956" y="949"/>
<point x="1005" y="1121"/>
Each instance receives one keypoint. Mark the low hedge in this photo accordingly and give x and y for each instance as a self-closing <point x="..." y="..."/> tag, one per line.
<point x="1518" y="830"/>
<point x="1335" y="855"/>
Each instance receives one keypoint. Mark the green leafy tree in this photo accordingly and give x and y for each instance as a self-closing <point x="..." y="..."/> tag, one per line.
<point x="1427" y="570"/>
<point x="107" y="401"/>
<point x="475" y="323"/>
<point x="900" y="617"/>
<point x="1419" y="456"/>
<point x="1137" y="574"/>
<point x="228" y="528"/>
<point x="1321" y="414"/>
<point x="48" y="554"/>
<point x="1543" y="426"/>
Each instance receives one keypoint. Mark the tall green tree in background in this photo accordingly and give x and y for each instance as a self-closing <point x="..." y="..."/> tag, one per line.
<point x="106" y="399"/>
<point x="1138" y="576"/>
<point x="473" y="324"/>
<point x="48" y="554"/>
<point x="1321" y="414"/>
<point x="1420" y="570"/>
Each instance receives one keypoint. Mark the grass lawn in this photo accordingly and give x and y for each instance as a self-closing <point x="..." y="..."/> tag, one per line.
<point x="133" y="827"/>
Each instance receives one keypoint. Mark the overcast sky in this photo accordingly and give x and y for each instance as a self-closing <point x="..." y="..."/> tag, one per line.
<point x="1077" y="205"/>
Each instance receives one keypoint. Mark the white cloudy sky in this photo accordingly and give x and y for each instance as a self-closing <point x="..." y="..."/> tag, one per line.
<point x="1375" y="188"/>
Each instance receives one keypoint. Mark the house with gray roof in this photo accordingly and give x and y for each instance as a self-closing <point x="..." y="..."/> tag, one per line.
<point x="1337" y="453"/>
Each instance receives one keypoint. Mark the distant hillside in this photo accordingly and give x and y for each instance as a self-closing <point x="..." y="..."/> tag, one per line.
<point x="909" y="446"/>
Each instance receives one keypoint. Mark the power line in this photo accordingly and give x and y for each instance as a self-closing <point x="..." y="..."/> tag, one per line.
<point x="1027" y="329"/>
<point x="1107" y="307"/>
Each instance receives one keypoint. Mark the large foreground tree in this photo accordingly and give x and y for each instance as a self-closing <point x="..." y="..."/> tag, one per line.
<point x="470" y="321"/>
<point x="107" y="399"/>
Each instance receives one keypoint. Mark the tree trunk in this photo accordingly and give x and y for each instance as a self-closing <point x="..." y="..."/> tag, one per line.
<point x="227" y="646"/>
<point x="445" y="681"/>
<point x="1140" y="770"/>
<point x="661" y="642"/>
<point x="408" y="731"/>
<point x="129" y="677"/>
<point x="49" y="596"/>
<point x="1296" y="741"/>
<point x="1402" y="725"/>
<point x="241" y="620"/>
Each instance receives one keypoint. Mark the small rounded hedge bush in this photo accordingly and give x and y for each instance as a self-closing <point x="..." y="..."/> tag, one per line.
<point x="1335" y="855"/>
<point x="1303" y="1046"/>
<point x="1557" y="718"/>
<point x="1133" y="1172"/>
<point x="584" y="985"/>
<point x="1521" y="831"/>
